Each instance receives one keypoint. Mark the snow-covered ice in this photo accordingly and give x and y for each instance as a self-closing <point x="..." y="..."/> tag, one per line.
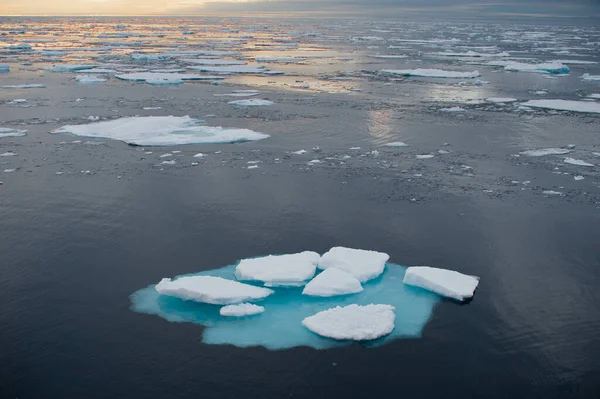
<point x="279" y="269"/>
<point x="240" y="310"/>
<point x="8" y="132"/>
<point x="212" y="61"/>
<point x="577" y="162"/>
<point x="87" y="79"/>
<point x="230" y="69"/>
<point x="68" y="67"/>
<point x="432" y="73"/>
<point x="332" y="282"/>
<point x="24" y="86"/>
<point x="161" y="130"/>
<point x="551" y="192"/>
<point x="545" y="151"/>
<point x="452" y="109"/>
<point x="587" y="76"/>
<point x="213" y="290"/>
<point x="362" y="264"/>
<point x="397" y="144"/>
<point x="501" y="99"/>
<point x="448" y="283"/>
<point x="253" y="102"/>
<point x="565" y="105"/>
<point x="546" y="67"/>
<point x="424" y="156"/>
<point x="353" y="322"/>
<point x="164" y="78"/>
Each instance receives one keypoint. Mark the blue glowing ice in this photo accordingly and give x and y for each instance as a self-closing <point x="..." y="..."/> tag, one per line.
<point x="280" y="326"/>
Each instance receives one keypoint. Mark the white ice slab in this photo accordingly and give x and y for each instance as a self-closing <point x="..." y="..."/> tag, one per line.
<point x="362" y="264"/>
<point x="209" y="289"/>
<point x="432" y="73"/>
<point x="545" y="151"/>
<point x="353" y="322"/>
<point x="212" y="62"/>
<point x="577" y="162"/>
<point x="254" y="102"/>
<point x="501" y="100"/>
<point x="231" y="69"/>
<point x="8" y="132"/>
<point x="452" y="109"/>
<point x="161" y="130"/>
<point x="587" y="76"/>
<point x="164" y="78"/>
<point x="448" y="283"/>
<point x="565" y="105"/>
<point x="282" y="60"/>
<point x="279" y="269"/>
<point x="546" y="67"/>
<point x="397" y="144"/>
<point x="88" y="79"/>
<point x="243" y="309"/>
<point x="333" y="282"/>
<point x="24" y="86"/>
<point x="68" y="67"/>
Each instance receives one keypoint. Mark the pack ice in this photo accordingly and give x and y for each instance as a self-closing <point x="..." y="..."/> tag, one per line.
<point x="242" y="309"/>
<point x="448" y="283"/>
<point x="332" y="282"/>
<point x="565" y="105"/>
<point x="161" y="131"/>
<point x="213" y="290"/>
<point x="279" y="270"/>
<point x="432" y="73"/>
<point x="362" y="264"/>
<point x="353" y="322"/>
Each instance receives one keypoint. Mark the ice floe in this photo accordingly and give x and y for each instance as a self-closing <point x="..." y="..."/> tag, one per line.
<point x="164" y="78"/>
<point x="448" y="283"/>
<point x="68" y="67"/>
<point x="501" y="99"/>
<point x="565" y="105"/>
<point x="432" y="73"/>
<point x="332" y="282"/>
<point x="213" y="290"/>
<point x="353" y="322"/>
<point x="424" y="156"/>
<point x="161" y="130"/>
<point x="212" y="62"/>
<point x="24" y="86"/>
<point x="395" y="144"/>
<point x="88" y="79"/>
<point x="577" y="162"/>
<point x="4" y="68"/>
<point x="240" y="310"/>
<point x="253" y="102"/>
<point x="362" y="264"/>
<point x="587" y="76"/>
<point x="230" y="69"/>
<point x="279" y="270"/>
<point x="545" y="151"/>
<point x="8" y="132"/>
<point x="452" y="109"/>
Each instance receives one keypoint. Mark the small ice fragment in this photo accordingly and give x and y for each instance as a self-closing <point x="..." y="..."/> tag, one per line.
<point x="168" y="154"/>
<point x="209" y="289"/>
<point x="332" y="282"/>
<point x="353" y="322"/>
<point x="362" y="264"/>
<point x="314" y="161"/>
<point x="452" y="109"/>
<point x="552" y="192"/>
<point x="89" y="79"/>
<point x="8" y="132"/>
<point x="299" y="152"/>
<point x="199" y="155"/>
<point x="394" y="144"/>
<point x="8" y="154"/>
<point x="168" y="162"/>
<point x="578" y="177"/>
<point x="355" y="148"/>
<point x="253" y="102"/>
<point x="448" y="283"/>
<point x="9" y="170"/>
<point x="501" y="100"/>
<point x="252" y="167"/>
<point x="424" y="156"/>
<point x="577" y="162"/>
<point x="243" y="309"/>
<point x="432" y="73"/>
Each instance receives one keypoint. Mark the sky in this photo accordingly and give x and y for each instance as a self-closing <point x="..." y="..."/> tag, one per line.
<point x="469" y="8"/>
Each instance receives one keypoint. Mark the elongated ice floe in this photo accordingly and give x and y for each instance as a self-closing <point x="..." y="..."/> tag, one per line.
<point x="452" y="109"/>
<point x="68" y="67"/>
<point x="470" y="54"/>
<point x="501" y="100"/>
<point x="24" y="86"/>
<point x="282" y="60"/>
<point x="432" y="73"/>
<point x="230" y="69"/>
<point x="565" y="105"/>
<point x="587" y="76"/>
<point x="362" y="264"/>
<point x="279" y="270"/>
<point x="8" y="132"/>
<point x="254" y="102"/>
<point x="209" y="289"/>
<point x="240" y="310"/>
<point x="546" y="67"/>
<point x="333" y="282"/>
<point x="448" y="283"/>
<point x="397" y="144"/>
<point x="545" y="151"/>
<point x="577" y="162"/>
<point x="353" y="322"/>
<point x="212" y="62"/>
<point x="88" y="79"/>
<point x="161" y="130"/>
<point x="164" y="78"/>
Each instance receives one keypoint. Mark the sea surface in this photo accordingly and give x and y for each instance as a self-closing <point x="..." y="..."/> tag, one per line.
<point x="86" y="222"/>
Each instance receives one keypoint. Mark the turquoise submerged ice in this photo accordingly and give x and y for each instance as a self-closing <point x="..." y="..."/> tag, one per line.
<point x="280" y="326"/>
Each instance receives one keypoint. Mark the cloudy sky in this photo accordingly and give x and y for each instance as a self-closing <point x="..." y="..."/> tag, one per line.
<point x="470" y="8"/>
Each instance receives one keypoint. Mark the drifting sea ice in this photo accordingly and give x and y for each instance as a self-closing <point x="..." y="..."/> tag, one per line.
<point x="545" y="151"/>
<point x="68" y="67"/>
<point x="501" y="100"/>
<point x="279" y="270"/>
<point x="577" y="162"/>
<point x="212" y="62"/>
<point x="87" y="79"/>
<point x="254" y="102"/>
<point x="243" y="309"/>
<point x="565" y="105"/>
<point x="353" y="322"/>
<point x="332" y="282"/>
<point x="448" y="283"/>
<point x="161" y="130"/>
<point x="230" y="69"/>
<point x="396" y="144"/>
<point x="424" y="156"/>
<point x="432" y="73"/>
<point x="452" y="109"/>
<point x="363" y="264"/>
<point x="164" y="78"/>
<point x="24" y="86"/>
<point x="587" y="76"/>
<point x="8" y="132"/>
<point x="4" y="68"/>
<point x="547" y="67"/>
<point x="209" y="289"/>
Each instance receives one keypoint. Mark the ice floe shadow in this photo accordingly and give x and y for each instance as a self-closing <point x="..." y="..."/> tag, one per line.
<point x="280" y="326"/>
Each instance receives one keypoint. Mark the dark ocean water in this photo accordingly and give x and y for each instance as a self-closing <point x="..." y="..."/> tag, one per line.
<point x="75" y="246"/>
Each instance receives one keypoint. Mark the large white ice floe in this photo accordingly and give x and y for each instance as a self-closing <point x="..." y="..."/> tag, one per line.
<point x="253" y="102"/>
<point x="432" y="73"/>
<point x="279" y="270"/>
<point x="230" y="69"/>
<point x="68" y="67"/>
<point x="545" y="151"/>
<point x="470" y="54"/>
<point x="587" y="76"/>
<point x="353" y="322"/>
<point x="164" y="78"/>
<point x="565" y="105"/>
<point x="89" y="79"/>
<point x="333" y="282"/>
<point x="362" y="264"/>
<point x="8" y="132"/>
<point x="161" y="130"/>
<point x="546" y="67"/>
<point x="240" y="310"/>
<point x="209" y="289"/>
<point x="577" y="162"/>
<point x="448" y="283"/>
<point x="397" y="144"/>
